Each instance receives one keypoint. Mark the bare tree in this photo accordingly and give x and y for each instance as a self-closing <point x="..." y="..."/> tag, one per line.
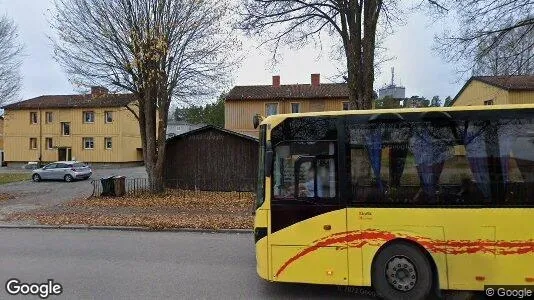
<point x="10" y="53"/>
<point x="490" y="32"/>
<point x="513" y="56"/>
<point x="353" y="22"/>
<point x="159" y="50"/>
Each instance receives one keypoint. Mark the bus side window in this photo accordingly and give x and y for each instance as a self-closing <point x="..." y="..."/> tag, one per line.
<point x="516" y="145"/>
<point x="306" y="175"/>
<point x="417" y="163"/>
<point x="304" y="169"/>
<point x="317" y="178"/>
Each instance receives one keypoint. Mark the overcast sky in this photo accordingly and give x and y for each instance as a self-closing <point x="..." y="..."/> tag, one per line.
<point x="417" y="67"/>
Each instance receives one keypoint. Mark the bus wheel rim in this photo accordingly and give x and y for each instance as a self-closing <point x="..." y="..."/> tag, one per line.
<point x="401" y="273"/>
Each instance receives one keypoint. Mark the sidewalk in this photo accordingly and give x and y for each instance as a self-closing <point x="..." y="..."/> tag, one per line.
<point x="178" y="209"/>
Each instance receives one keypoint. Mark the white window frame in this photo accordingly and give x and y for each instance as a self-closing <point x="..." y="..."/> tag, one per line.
<point x="63" y="128"/>
<point x="32" y="119"/>
<point x="106" y="113"/>
<point x="291" y="107"/>
<point x="51" y="145"/>
<point x="106" y="140"/>
<point x="89" y="113"/>
<point x="269" y="103"/>
<point x="91" y="142"/>
<point x="32" y="146"/>
<point x="49" y="117"/>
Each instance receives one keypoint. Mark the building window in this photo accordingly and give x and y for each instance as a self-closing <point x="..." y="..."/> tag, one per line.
<point x="48" y="117"/>
<point x="33" y="117"/>
<point x="49" y="144"/>
<point x="488" y="102"/>
<point x="88" y="143"/>
<point x="295" y="108"/>
<point x="65" y="128"/>
<point x="108" y="115"/>
<point x="88" y="116"/>
<point x="345" y="105"/>
<point x="108" y="143"/>
<point x="33" y="143"/>
<point x="271" y="109"/>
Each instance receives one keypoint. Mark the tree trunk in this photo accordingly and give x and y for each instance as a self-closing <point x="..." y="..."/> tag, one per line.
<point x="151" y="142"/>
<point x="359" y="43"/>
<point x="358" y="82"/>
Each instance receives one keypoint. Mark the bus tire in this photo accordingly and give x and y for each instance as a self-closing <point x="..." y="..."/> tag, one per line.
<point x="402" y="271"/>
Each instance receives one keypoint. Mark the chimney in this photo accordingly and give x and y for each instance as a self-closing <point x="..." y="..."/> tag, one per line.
<point x="98" y="91"/>
<point x="276" y="81"/>
<point x="315" y="79"/>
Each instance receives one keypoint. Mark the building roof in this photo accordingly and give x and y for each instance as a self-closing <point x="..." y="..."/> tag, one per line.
<point x="211" y="127"/>
<point x="509" y="83"/>
<point x="288" y="92"/>
<point x="518" y="82"/>
<point x="73" y="101"/>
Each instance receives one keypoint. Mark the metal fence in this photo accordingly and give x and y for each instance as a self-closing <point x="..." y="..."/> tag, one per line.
<point x="136" y="186"/>
<point x="133" y="186"/>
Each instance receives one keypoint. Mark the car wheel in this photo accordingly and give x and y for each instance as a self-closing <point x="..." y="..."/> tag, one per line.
<point x="36" y="177"/>
<point x="68" y="178"/>
<point x="402" y="271"/>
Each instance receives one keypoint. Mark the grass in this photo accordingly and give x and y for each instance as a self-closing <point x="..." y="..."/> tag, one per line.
<point x="13" y="177"/>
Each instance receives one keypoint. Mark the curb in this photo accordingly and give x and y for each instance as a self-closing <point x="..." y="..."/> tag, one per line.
<point x="124" y="228"/>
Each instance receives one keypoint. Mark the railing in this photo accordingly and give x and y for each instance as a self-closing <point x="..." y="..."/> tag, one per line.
<point x="133" y="186"/>
<point x="136" y="186"/>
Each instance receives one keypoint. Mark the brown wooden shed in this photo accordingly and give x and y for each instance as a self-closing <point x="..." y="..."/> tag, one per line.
<point x="212" y="159"/>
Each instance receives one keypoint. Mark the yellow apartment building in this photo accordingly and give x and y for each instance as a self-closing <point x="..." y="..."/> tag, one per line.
<point x="95" y="128"/>
<point x="243" y="102"/>
<point x="1" y="140"/>
<point x="492" y="90"/>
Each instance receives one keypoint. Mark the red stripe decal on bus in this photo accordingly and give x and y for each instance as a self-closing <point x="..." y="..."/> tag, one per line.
<point x="358" y="239"/>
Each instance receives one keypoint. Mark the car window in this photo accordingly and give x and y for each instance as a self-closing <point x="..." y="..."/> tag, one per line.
<point x="61" y="165"/>
<point x="50" y="166"/>
<point x="78" y="165"/>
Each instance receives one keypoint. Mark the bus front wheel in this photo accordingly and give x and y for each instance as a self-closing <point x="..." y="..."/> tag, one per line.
<point x="402" y="271"/>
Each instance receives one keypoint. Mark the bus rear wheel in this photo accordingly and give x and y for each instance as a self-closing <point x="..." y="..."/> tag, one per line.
<point x="402" y="271"/>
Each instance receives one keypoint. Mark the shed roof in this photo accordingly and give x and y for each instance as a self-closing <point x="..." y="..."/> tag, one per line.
<point x="211" y="127"/>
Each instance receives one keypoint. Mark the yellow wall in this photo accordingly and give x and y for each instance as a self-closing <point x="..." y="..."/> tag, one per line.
<point x="238" y="114"/>
<point x="477" y="92"/>
<point x="1" y="134"/>
<point x="124" y="131"/>
<point x="521" y="97"/>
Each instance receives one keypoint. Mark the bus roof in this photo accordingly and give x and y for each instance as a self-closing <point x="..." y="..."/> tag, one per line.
<point x="277" y="119"/>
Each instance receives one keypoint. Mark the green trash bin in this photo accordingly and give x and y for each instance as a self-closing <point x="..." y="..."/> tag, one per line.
<point x="108" y="186"/>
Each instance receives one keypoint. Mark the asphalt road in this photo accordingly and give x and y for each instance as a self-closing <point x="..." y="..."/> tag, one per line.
<point x="30" y="195"/>
<point x="94" y="264"/>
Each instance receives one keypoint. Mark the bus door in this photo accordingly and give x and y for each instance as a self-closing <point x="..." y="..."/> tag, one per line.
<point x="307" y="215"/>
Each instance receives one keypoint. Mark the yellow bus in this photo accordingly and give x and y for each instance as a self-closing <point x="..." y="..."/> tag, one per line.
<point x="407" y="201"/>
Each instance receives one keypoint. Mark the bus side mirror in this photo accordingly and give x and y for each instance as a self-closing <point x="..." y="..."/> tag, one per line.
<point x="268" y="163"/>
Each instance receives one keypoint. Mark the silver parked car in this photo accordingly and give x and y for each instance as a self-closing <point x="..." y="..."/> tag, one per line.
<point x="64" y="170"/>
